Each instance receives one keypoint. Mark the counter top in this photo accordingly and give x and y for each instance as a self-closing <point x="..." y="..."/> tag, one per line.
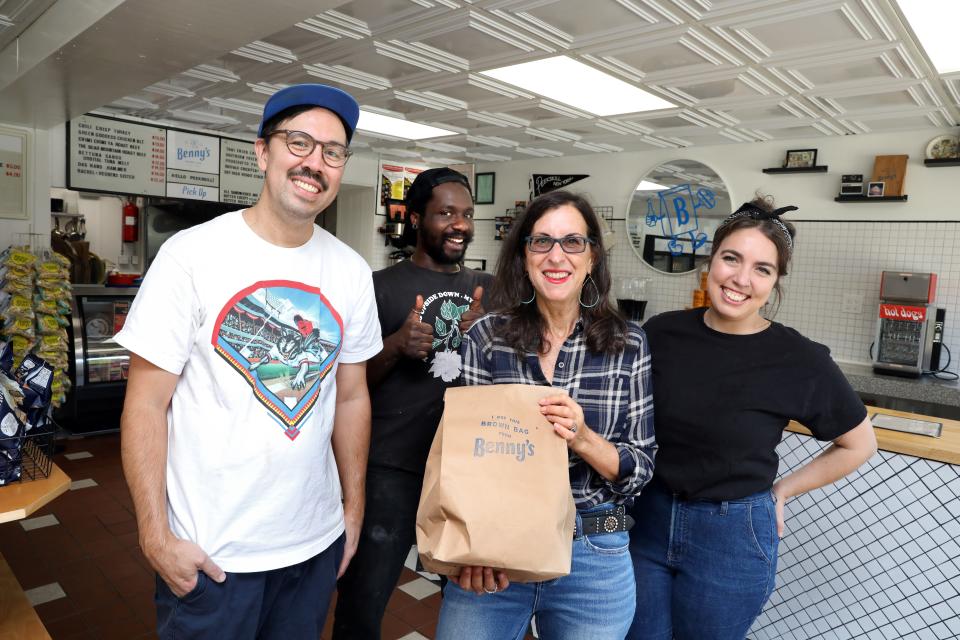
<point x="925" y="395"/>
<point x="946" y="448"/>
<point x="20" y="499"/>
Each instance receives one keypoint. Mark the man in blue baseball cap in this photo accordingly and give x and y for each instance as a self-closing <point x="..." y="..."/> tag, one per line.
<point x="239" y="432"/>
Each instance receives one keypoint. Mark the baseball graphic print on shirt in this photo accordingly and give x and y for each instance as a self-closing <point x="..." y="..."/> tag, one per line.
<point x="283" y="337"/>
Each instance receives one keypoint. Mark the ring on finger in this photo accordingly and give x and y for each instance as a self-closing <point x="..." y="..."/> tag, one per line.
<point x="495" y="589"/>
<point x="573" y="428"/>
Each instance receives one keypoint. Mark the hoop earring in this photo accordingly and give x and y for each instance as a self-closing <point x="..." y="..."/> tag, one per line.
<point x="595" y="288"/>
<point x="533" y="295"/>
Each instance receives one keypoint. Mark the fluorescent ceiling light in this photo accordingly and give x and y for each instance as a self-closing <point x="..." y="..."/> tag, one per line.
<point x="935" y="23"/>
<point x="646" y="185"/>
<point x="398" y="128"/>
<point x="573" y="83"/>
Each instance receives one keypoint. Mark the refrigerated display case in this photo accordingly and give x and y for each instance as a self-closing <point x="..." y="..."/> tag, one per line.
<point x="98" y="366"/>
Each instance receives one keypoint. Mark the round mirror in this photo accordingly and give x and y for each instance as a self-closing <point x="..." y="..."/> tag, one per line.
<point x="673" y="213"/>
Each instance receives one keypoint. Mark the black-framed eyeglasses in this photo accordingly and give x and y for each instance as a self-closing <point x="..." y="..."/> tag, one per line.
<point x="573" y="243"/>
<point x="302" y="144"/>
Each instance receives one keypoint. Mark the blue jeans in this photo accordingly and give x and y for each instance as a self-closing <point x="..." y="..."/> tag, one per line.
<point x="279" y="604"/>
<point x="704" y="569"/>
<point x="593" y="602"/>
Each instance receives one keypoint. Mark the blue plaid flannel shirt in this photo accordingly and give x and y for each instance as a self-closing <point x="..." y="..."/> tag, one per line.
<point x="614" y="391"/>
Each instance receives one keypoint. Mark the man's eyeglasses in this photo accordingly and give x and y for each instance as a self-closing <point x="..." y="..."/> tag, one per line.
<point x="302" y="144"/>
<point x="572" y="243"/>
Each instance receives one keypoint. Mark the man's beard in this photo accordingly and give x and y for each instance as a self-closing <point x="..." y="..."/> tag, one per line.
<point x="436" y="250"/>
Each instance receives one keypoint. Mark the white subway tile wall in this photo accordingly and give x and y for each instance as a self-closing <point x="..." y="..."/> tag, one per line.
<point x="832" y="260"/>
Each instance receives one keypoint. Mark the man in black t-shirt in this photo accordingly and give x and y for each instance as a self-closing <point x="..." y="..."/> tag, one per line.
<point x="425" y="304"/>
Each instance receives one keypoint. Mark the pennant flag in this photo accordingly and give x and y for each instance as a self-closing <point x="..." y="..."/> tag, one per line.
<point x="541" y="183"/>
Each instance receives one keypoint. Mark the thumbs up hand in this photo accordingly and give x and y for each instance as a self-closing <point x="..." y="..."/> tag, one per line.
<point x="474" y="312"/>
<point x="416" y="337"/>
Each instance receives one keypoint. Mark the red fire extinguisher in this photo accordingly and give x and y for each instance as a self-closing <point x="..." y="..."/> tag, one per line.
<point x="131" y="216"/>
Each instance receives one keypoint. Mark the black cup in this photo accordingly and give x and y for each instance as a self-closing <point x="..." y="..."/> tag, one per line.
<point x="632" y="309"/>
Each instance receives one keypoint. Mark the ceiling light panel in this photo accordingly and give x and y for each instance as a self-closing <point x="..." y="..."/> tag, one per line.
<point x="396" y="127"/>
<point x="572" y="83"/>
<point x="935" y="23"/>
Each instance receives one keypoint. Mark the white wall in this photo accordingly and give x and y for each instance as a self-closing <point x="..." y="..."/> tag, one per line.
<point x="355" y="219"/>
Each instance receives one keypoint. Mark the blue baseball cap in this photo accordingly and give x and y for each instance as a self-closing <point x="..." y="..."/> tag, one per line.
<point x="318" y="95"/>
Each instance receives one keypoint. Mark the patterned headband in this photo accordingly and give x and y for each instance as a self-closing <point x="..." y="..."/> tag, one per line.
<point x="748" y="210"/>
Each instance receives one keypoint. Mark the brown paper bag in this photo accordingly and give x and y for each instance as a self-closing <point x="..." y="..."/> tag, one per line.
<point x="496" y="491"/>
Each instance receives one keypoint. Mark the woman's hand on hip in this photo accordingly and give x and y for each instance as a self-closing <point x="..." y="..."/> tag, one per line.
<point x="780" y="503"/>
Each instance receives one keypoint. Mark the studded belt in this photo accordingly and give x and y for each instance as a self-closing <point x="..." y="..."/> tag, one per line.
<point x="609" y="521"/>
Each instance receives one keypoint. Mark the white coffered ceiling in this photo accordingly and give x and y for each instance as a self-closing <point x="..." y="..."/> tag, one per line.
<point x="738" y="71"/>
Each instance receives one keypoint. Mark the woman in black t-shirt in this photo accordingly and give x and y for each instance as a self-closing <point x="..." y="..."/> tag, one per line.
<point x="726" y="382"/>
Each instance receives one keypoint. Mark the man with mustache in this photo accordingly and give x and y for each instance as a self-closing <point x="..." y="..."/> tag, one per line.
<point x="236" y="444"/>
<point x="425" y="305"/>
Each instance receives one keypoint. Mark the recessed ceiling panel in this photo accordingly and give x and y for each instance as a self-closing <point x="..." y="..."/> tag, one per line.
<point x="748" y="112"/>
<point x="381" y="12"/>
<point x="795" y="132"/>
<point x="663" y="122"/>
<point x="725" y="89"/>
<point x="897" y="122"/>
<point x="586" y="19"/>
<point x="876" y="101"/>
<point x="472" y="43"/>
<point x="857" y="70"/>
<point x="670" y="57"/>
<point x="805" y="32"/>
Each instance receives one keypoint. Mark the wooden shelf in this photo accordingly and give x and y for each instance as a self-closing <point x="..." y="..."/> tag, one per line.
<point x="870" y="199"/>
<point x="20" y="499"/>
<point x="820" y="168"/>
<point x="942" y="162"/>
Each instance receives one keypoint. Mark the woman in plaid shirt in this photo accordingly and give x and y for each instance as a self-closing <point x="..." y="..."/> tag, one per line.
<point x="556" y="327"/>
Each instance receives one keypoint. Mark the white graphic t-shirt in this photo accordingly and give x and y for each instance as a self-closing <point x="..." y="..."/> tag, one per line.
<point x="255" y="332"/>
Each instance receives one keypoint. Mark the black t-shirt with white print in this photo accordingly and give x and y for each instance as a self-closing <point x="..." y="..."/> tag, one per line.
<point x="408" y="402"/>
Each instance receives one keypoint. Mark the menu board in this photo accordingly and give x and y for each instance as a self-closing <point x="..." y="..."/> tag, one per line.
<point x="193" y="166"/>
<point x="240" y="177"/>
<point x="123" y="157"/>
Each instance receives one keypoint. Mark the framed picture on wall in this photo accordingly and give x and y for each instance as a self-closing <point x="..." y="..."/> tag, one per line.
<point x="801" y="159"/>
<point x="14" y="145"/>
<point x="486" y="184"/>
<point x="875" y="189"/>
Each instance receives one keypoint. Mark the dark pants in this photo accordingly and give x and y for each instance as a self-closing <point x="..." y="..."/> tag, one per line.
<point x="280" y="604"/>
<point x="389" y="530"/>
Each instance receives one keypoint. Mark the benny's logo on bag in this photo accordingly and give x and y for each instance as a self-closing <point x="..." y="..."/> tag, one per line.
<point x="501" y="438"/>
<point x="283" y="337"/>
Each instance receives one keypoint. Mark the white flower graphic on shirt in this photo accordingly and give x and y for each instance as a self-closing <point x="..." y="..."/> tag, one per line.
<point x="446" y="365"/>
